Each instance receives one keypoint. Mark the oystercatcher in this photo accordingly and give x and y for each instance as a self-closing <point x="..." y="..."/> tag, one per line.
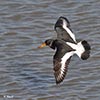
<point x="66" y="46"/>
<point x="64" y="32"/>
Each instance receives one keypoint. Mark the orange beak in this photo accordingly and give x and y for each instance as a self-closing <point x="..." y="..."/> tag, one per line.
<point x="42" y="45"/>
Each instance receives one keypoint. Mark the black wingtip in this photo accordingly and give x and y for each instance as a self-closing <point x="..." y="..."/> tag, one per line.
<point x="59" y="22"/>
<point x="59" y="81"/>
<point x="62" y="17"/>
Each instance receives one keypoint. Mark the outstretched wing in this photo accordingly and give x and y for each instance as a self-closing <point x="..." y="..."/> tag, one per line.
<point x="61" y="66"/>
<point x="62" y="27"/>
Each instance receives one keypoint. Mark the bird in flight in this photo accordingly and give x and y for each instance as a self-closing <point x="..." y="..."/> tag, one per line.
<point x="66" y="46"/>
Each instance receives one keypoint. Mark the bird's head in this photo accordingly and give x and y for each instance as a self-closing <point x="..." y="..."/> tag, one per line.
<point x="49" y="42"/>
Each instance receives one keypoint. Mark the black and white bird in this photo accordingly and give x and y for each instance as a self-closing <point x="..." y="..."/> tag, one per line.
<point x="64" y="32"/>
<point x="66" y="46"/>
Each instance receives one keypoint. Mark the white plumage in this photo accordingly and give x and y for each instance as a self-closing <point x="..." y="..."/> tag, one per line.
<point x="68" y="30"/>
<point x="63" y="61"/>
<point x="79" y="49"/>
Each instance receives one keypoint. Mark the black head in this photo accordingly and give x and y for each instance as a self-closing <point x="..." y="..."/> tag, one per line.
<point x="61" y="21"/>
<point x="50" y="43"/>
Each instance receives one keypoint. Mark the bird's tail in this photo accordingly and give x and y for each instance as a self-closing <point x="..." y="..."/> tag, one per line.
<point x="83" y="50"/>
